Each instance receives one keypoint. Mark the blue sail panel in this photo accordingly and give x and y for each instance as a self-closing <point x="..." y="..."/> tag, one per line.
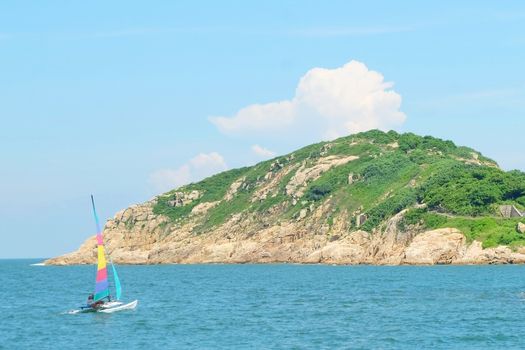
<point x="118" y="288"/>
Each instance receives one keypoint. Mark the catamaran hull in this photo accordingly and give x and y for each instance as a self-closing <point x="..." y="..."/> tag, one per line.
<point x="112" y="306"/>
<point x="110" y="309"/>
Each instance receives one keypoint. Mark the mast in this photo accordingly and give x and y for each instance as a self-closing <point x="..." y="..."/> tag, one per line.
<point x="101" y="284"/>
<point x="97" y="222"/>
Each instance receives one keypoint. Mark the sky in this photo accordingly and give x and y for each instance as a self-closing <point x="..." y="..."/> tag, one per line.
<point x="127" y="99"/>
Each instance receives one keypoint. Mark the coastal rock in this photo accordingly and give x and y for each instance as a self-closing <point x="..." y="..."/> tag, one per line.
<point x="86" y="254"/>
<point x="435" y="247"/>
<point x="136" y="236"/>
<point x="520" y="227"/>
<point x="475" y="254"/>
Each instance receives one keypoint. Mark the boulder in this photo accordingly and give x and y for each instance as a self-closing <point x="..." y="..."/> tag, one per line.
<point x="302" y="213"/>
<point x="440" y="246"/>
<point x="202" y="208"/>
<point x="234" y="187"/>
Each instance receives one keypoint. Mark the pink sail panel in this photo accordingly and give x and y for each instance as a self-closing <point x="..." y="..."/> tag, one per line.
<point x="102" y="275"/>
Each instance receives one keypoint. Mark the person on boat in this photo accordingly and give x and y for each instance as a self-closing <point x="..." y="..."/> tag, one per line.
<point x="92" y="304"/>
<point x="97" y="304"/>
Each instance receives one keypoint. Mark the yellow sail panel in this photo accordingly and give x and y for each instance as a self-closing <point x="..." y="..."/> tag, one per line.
<point x="101" y="258"/>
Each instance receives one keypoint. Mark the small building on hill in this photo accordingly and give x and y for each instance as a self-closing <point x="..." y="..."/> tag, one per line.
<point x="510" y="211"/>
<point x="360" y="220"/>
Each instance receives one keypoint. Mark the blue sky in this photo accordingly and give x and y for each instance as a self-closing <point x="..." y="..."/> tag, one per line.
<point x="110" y="98"/>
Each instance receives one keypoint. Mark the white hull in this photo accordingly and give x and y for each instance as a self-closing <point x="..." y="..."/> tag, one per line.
<point x="117" y="306"/>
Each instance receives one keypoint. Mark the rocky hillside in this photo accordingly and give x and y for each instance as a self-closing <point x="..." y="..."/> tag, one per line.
<point x="373" y="197"/>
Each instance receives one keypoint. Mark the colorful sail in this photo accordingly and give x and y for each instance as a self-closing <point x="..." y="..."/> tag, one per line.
<point x="101" y="285"/>
<point x="118" y="288"/>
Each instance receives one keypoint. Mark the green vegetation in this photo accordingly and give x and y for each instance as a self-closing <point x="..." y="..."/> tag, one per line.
<point x="409" y="141"/>
<point x="389" y="207"/>
<point x="492" y="231"/>
<point x="386" y="167"/>
<point x="224" y="211"/>
<point x="330" y="181"/>
<point x="472" y="190"/>
<point x="241" y="201"/>
<point x="213" y="188"/>
<point x="460" y="187"/>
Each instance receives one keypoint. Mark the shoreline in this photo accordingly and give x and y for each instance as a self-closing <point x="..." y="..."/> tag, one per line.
<point x="282" y="263"/>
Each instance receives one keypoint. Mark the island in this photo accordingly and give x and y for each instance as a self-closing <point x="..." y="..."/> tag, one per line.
<point x="370" y="198"/>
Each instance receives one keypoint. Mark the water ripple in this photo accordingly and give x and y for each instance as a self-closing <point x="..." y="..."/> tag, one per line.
<point x="269" y="306"/>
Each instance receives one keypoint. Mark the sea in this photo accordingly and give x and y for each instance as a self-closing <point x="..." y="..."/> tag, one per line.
<point x="267" y="307"/>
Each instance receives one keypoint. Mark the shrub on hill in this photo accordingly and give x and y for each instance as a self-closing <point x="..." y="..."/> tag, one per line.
<point x="472" y="190"/>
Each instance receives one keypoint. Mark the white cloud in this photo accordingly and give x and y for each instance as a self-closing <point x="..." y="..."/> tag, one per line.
<point x="197" y="168"/>
<point x="263" y="152"/>
<point x="270" y="116"/>
<point x="328" y="103"/>
<point x="205" y="161"/>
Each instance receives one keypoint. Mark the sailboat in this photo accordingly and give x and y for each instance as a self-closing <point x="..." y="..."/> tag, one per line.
<point x="100" y="300"/>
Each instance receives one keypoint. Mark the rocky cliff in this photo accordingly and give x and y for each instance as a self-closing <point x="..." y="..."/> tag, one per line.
<point x="364" y="199"/>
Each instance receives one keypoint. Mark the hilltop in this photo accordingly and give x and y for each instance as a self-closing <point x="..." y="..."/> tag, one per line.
<point x="372" y="197"/>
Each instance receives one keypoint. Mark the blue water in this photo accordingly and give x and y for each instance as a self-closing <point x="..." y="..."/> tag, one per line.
<point x="268" y="307"/>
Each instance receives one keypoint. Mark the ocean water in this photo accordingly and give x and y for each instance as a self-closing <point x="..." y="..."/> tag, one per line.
<point x="268" y="307"/>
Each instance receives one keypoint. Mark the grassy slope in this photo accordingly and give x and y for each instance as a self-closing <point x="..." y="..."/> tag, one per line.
<point x="490" y="230"/>
<point x="389" y="178"/>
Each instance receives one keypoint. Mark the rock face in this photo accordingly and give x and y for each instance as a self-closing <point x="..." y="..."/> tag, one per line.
<point x="138" y="236"/>
<point x="296" y="186"/>
<point x="441" y="246"/>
